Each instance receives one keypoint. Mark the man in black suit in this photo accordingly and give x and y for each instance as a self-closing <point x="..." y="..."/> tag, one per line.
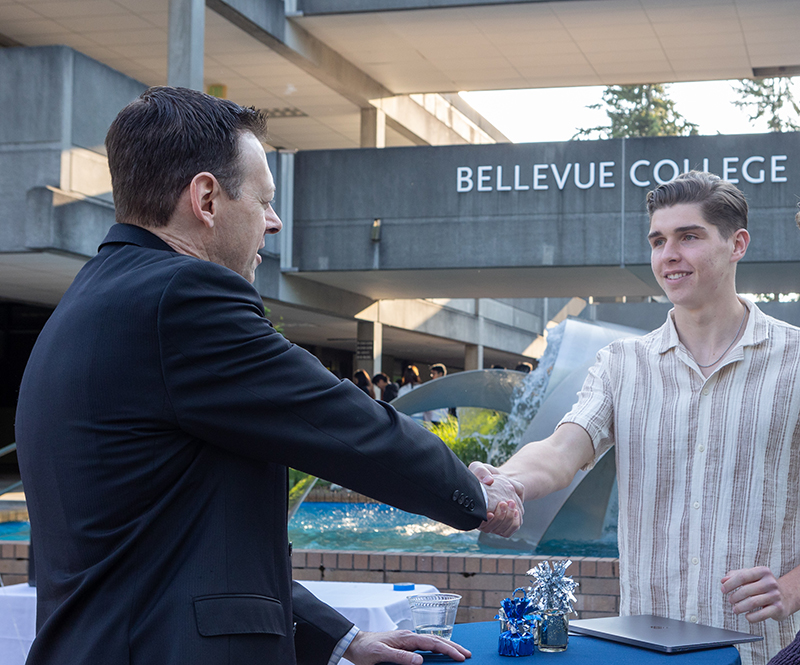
<point x="160" y="409"/>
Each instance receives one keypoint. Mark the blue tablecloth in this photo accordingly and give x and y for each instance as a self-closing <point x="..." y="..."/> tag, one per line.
<point x="481" y="640"/>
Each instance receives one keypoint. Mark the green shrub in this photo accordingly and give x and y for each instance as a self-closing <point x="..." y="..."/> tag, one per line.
<point x="470" y="436"/>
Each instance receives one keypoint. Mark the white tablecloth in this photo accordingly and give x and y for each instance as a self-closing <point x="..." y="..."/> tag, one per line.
<point x="373" y="607"/>
<point x="17" y="623"/>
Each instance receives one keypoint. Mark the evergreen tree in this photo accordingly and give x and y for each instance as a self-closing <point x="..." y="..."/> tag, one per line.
<point x="639" y="110"/>
<point x="771" y="99"/>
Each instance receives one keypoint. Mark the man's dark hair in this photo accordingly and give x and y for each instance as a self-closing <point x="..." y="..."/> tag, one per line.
<point x="160" y="141"/>
<point x="721" y="202"/>
<point x="380" y="376"/>
<point x="439" y="368"/>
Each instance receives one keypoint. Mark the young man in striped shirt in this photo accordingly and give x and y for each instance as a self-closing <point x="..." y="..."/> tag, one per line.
<point x="704" y="416"/>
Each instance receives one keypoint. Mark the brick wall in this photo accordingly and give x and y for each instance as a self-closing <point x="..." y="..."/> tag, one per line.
<point x="482" y="580"/>
<point x="13" y="563"/>
<point x="325" y="495"/>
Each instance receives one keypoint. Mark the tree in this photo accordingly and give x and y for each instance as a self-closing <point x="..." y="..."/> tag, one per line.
<point x="639" y="110"/>
<point x="771" y="99"/>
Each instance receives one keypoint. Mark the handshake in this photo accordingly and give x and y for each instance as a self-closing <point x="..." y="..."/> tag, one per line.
<point x="505" y="498"/>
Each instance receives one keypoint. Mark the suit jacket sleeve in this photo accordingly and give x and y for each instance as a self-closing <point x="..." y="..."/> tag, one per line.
<point x="234" y="382"/>
<point x="318" y="627"/>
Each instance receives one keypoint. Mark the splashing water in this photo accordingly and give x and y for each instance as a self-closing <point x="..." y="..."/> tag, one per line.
<point x="526" y="399"/>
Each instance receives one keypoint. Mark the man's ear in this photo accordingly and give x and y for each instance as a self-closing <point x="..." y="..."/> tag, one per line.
<point x="741" y="240"/>
<point x="204" y="194"/>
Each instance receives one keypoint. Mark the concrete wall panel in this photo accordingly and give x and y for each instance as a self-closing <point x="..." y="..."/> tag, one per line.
<point x="526" y="205"/>
<point x="32" y="93"/>
<point x="98" y="94"/>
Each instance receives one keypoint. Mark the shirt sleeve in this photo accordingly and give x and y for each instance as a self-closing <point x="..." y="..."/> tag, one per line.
<point x="594" y="410"/>
<point x="341" y="647"/>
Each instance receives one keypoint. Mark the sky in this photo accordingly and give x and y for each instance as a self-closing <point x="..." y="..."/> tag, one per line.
<point x="555" y="114"/>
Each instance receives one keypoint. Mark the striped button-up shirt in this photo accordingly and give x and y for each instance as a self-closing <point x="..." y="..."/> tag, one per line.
<point x="708" y="469"/>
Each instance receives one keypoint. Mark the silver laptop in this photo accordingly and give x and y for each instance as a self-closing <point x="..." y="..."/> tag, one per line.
<point x="659" y="634"/>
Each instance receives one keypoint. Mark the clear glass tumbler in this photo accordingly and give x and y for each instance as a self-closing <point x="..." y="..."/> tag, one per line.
<point x="434" y="613"/>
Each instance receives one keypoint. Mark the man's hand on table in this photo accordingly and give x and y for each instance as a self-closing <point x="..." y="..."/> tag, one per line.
<point x="758" y="594"/>
<point x="506" y="498"/>
<point x="398" y="647"/>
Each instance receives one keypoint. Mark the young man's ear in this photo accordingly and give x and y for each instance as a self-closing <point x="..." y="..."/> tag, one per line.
<point x="204" y="193"/>
<point x="741" y="240"/>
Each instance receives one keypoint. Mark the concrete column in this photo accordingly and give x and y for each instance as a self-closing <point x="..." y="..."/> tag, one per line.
<point x="373" y="128"/>
<point x="473" y="356"/>
<point x="187" y="24"/>
<point x="369" y="347"/>
<point x="285" y="195"/>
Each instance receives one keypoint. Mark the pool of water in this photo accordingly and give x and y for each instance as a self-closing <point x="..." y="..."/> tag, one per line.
<point x="373" y="526"/>
<point x="16" y="531"/>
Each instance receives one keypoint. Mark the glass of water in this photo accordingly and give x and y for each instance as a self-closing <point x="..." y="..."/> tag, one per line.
<point x="434" y="613"/>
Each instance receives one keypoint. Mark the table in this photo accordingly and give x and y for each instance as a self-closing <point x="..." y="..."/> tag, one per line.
<point x="373" y="607"/>
<point x="17" y="623"/>
<point x="481" y="640"/>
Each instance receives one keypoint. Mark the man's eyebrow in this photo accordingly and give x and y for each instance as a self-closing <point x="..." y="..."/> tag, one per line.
<point x="680" y="229"/>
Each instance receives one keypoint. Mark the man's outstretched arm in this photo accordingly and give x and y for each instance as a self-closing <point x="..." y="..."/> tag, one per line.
<point x="539" y="468"/>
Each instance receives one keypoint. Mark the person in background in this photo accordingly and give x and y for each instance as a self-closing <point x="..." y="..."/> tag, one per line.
<point x="388" y="388"/>
<point x="361" y="379"/>
<point x="436" y="416"/>
<point x="524" y="367"/>
<point x="409" y="381"/>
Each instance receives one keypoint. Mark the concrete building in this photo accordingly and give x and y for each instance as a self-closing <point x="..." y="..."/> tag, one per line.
<point x="414" y="232"/>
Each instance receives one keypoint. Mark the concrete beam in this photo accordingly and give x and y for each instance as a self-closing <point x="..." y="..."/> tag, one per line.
<point x="266" y="22"/>
<point x="320" y="7"/>
<point x="262" y="22"/>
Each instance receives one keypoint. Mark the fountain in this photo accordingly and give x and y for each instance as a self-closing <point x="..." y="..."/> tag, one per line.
<point x="536" y="402"/>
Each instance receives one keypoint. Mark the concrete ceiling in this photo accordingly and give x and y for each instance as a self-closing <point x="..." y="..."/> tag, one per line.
<point x="494" y="46"/>
<point x="568" y="43"/>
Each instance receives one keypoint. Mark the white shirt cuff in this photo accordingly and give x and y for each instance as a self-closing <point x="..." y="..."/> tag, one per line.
<point x="342" y="645"/>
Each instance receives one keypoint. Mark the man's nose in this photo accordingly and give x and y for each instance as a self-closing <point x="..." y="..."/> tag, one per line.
<point x="274" y="223"/>
<point x="671" y="251"/>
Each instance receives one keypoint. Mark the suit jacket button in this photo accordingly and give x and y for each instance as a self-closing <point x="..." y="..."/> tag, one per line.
<point x="461" y="500"/>
<point x="456" y="494"/>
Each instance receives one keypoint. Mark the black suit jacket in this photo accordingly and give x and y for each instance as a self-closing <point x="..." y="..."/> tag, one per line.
<point x="156" y="418"/>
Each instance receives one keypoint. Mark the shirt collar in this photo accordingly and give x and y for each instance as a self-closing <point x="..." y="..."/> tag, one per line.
<point x="130" y="234"/>
<point x="755" y="332"/>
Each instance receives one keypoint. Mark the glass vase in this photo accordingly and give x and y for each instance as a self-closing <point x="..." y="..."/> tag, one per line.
<point x="553" y="631"/>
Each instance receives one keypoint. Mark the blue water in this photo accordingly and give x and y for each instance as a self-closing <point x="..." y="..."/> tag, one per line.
<point x="16" y="531"/>
<point x="373" y="526"/>
<point x="376" y="527"/>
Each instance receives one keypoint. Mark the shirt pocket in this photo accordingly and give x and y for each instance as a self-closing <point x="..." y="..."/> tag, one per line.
<point x="239" y="614"/>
